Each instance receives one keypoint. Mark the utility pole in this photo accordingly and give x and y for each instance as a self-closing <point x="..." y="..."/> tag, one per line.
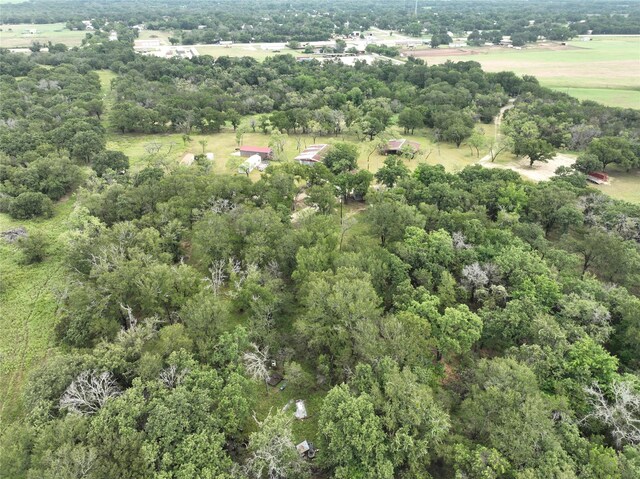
<point x="415" y="12"/>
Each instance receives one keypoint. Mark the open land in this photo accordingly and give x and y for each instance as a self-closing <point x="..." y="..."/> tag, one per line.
<point x="605" y="69"/>
<point x="18" y="36"/>
<point x="28" y="305"/>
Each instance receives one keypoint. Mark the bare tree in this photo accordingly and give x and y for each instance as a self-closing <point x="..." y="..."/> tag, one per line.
<point x="89" y="391"/>
<point x="474" y="277"/>
<point x="172" y="376"/>
<point x="459" y="241"/>
<point x="621" y="414"/>
<point x="217" y="276"/>
<point x="256" y="363"/>
<point x="273" y="453"/>
<point x="153" y="147"/>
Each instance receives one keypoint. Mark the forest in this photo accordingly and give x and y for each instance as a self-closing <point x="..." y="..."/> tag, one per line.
<point x="437" y="324"/>
<point x="279" y="20"/>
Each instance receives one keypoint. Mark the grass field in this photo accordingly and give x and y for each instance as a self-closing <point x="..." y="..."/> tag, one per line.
<point x="171" y="149"/>
<point x="241" y="51"/>
<point x="17" y="36"/>
<point x="606" y="69"/>
<point x="622" y="185"/>
<point x="28" y="306"/>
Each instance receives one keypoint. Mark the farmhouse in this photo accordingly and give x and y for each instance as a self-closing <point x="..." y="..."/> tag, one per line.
<point x="263" y="152"/>
<point x="395" y="147"/>
<point x="249" y="164"/>
<point x="313" y="154"/>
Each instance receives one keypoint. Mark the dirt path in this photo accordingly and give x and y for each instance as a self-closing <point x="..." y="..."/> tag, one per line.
<point x="538" y="172"/>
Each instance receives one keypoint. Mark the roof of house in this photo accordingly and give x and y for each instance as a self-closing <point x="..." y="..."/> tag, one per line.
<point x="312" y="153"/>
<point x="257" y="149"/>
<point x="398" y="144"/>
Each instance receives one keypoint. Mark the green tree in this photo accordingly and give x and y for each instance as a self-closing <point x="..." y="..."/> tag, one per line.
<point x="30" y="204"/>
<point x="341" y="157"/>
<point x="340" y="310"/>
<point x="457" y="330"/>
<point x="351" y="437"/>
<point x="110" y="160"/>
<point x="616" y="150"/>
<point x="393" y="170"/>
<point x="388" y="217"/>
<point x="410" y="119"/>
<point x="536" y="150"/>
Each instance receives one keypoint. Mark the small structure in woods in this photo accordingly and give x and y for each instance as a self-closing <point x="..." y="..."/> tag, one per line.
<point x="274" y="379"/>
<point x="306" y="448"/>
<point x="301" y="410"/>
<point x="264" y="152"/>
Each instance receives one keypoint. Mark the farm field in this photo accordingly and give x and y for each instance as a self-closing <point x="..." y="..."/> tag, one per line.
<point x="16" y="36"/>
<point x="606" y="69"/>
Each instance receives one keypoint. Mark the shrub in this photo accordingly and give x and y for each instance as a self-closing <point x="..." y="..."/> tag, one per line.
<point x="31" y="204"/>
<point x="34" y="247"/>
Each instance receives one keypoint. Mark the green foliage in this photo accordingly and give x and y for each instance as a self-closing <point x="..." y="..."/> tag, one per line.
<point x="341" y="157"/>
<point x="30" y="204"/>
<point x="33" y="247"/>
<point x="352" y="439"/>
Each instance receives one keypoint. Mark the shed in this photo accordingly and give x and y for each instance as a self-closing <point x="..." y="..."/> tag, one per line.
<point x="274" y="379"/>
<point x="313" y="154"/>
<point x="264" y="152"/>
<point x="301" y="409"/>
<point x="395" y="147"/>
<point x="598" y="177"/>
<point x="249" y="164"/>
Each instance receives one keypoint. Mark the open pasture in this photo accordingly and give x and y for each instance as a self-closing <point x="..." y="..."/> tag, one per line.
<point x="23" y="35"/>
<point x="605" y="69"/>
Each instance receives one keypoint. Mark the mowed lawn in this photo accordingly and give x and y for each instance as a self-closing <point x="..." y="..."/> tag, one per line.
<point x="18" y="36"/>
<point x="605" y="69"/>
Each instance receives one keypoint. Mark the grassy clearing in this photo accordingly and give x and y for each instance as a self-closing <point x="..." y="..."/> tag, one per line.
<point x="172" y="149"/>
<point x="18" y="36"/>
<point x="162" y="35"/>
<point x="606" y="69"/>
<point x="242" y="51"/>
<point x="28" y="306"/>
<point x="622" y="185"/>
<point x="606" y="96"/>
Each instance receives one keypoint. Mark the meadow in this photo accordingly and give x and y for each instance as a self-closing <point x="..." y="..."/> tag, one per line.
<point x="28" y="305"/>
<point x="18" y="36"/>
<point x="605" y="69"/>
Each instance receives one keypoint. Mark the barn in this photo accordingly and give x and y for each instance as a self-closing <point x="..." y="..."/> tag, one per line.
<point x="263" y="152"/>
<point x="313" y="154"/>
<point x="396" y="147"/>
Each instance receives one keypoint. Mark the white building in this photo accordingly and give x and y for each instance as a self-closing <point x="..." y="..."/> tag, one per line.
<point x="249" y="164"/>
